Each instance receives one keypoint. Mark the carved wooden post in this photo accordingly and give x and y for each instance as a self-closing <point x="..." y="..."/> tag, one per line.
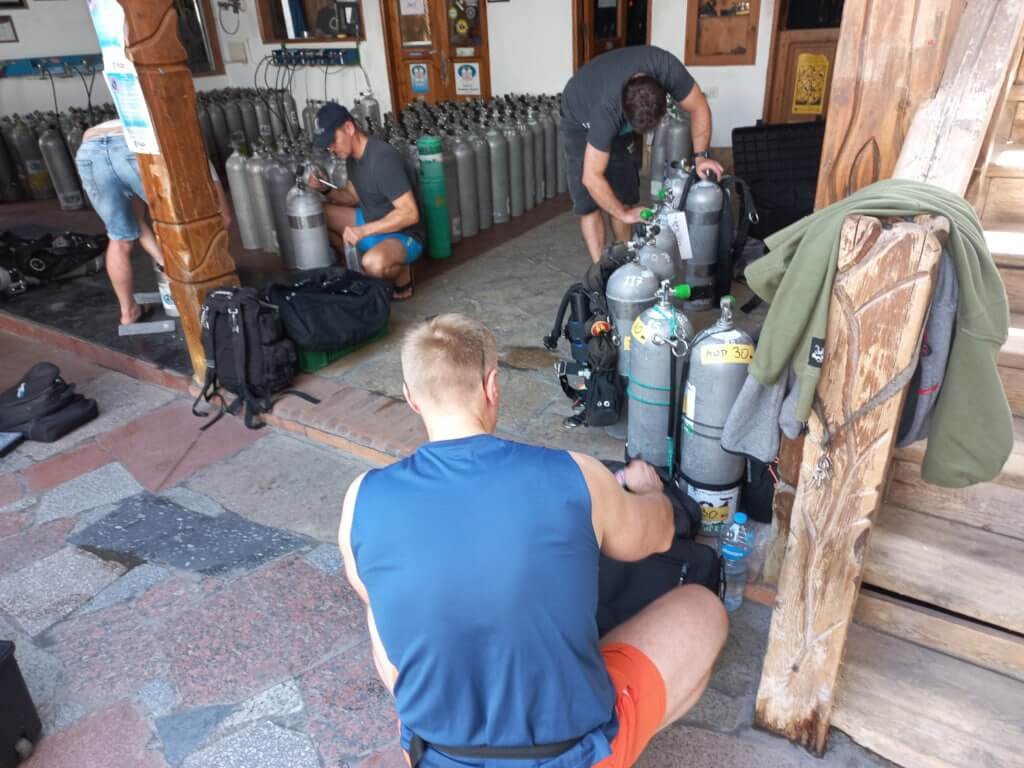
<point x="879" y="302"/>
<point x="889" y="59"/>
<point x="182" y="199"/>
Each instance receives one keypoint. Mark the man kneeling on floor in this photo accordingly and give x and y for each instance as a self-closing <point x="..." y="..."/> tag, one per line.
<point x="477" y="558"/>
<point x="376" y="211"/>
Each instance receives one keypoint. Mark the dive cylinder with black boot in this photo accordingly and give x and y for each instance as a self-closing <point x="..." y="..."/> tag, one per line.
<point x="659" y="347"/>
<point x="719" y="358"/>
<point x="703" y="206"/>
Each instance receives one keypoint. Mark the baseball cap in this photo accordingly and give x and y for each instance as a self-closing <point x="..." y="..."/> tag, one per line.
<point x="329" y="118"/>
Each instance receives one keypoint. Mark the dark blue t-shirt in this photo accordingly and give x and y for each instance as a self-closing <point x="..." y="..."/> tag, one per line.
<point x="480" y="560"/>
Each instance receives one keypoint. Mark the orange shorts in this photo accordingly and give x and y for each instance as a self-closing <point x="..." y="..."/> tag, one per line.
<point x="639" y="702"/>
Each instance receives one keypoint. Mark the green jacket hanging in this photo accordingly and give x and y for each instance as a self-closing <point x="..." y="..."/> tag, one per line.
<point x="971" y="433"/>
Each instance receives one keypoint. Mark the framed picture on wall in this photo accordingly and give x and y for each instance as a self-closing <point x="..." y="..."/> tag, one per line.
<point x="721" y="32"/>
<point x="12" y="3"/>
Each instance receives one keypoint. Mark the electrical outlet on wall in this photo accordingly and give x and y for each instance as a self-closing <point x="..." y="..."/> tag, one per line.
<point x="237" y="53"/>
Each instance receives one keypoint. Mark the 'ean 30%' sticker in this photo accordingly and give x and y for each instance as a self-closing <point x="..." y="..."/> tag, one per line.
<point x="725" y="354"/>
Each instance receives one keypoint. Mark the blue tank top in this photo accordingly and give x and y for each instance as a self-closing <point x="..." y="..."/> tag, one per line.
<point x="480" y="561"/>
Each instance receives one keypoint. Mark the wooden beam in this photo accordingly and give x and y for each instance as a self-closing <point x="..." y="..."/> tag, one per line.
<point x="879" y="301"/>
<point x="181" y="195"/>
<point x="889" y="59"/>
<point x="946" y="127"/>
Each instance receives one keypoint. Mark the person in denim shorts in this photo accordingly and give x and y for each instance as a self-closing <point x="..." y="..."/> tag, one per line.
<point x="110" y="176"/>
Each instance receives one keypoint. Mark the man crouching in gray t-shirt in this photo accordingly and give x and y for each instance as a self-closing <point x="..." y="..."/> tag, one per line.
<point x="376" y="211"/>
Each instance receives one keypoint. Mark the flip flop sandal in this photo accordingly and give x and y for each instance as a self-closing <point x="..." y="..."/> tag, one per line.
<point x="147" y="312"/>
<point x="400" y="289"/>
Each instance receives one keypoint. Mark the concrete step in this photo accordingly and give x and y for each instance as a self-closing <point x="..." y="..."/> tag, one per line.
<point x="922" y="708"/>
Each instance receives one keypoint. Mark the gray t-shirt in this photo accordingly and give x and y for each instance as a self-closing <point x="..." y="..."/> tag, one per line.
<point x="380" y="178"/>
<point x="592" y="99"/>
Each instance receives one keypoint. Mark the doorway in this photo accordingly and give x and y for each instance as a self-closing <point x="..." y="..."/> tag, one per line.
<point x="600" y="26"/>
<point x="436" y="50"/>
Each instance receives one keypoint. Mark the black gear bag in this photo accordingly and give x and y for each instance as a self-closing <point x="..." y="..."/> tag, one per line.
<point x="43" y="407"/>
<point x="247" y="354"/>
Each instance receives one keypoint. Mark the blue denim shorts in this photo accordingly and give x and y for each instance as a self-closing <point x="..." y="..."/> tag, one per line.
<point x="413" y="247"/>
<point x="110" y="176"/>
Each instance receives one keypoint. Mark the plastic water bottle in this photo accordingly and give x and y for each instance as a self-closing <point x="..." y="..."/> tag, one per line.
<point x="736" y="545"/>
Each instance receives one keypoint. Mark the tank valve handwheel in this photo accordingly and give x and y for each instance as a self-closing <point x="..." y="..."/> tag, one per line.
<point x="646" y="214"/>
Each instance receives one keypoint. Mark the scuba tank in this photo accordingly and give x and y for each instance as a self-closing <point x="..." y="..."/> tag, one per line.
<point x="250" y="123"/>
<point x="371" y="108"/>
<point x="434" y="194"/>
<point x="703" y="206"/>
<point x="482" y="161"/>
<point x="279" y="177"/>
<point x="451" y="186"/>
<point x="275" y="106"/>
<point x="337" y="172"/>
<point x="516" y="174"/>
<point x="291" y="116"/>
<point x="719" y="358"/>
<point x="37" y="178"/>
<point x="221" y="134"/>
<point x="658" y="155"/>
<point x="659" y="346"/>
<point x="73" y="136"/>
<point x="241" y="199"/>
<point x="631" y="290"/>
<point x="307" y="226"/>
<point x="236" y="127"/>
<point x="563" y="182"/>
<point x="465" y="168"/>
<point x="529" y="166"/>
<point x="62" y="171"/>
<point x="539" y="154"/>
<point x="678" y="145"/>
<point x="263" y="123"/>
<point x="497" y="145"/>
<point x="10" y="189"/>
<point x="260" y="201"/>
<point x="550" y="154"/>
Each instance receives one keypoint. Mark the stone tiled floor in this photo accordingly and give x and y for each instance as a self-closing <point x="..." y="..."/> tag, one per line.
<point x="176" y="596"/>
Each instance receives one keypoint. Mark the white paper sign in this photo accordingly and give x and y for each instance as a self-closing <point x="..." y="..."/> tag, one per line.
<point x="677" y="223"/>
<point x="121" y="77"/>
<point x="467" y="78"/>
<point x="412" y="7"/>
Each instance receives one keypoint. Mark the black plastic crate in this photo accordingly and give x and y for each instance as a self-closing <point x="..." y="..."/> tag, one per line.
<point x="780" y="162"/>
<point x="19" y="722"/>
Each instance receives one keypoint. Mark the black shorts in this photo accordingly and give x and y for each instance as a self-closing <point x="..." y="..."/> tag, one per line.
<point x="623" y="172"/>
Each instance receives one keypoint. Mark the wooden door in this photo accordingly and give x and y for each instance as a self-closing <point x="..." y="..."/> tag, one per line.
<point x="802" y="75"/>
<point x="600" y="26"/>
<point x="437" y="50"/>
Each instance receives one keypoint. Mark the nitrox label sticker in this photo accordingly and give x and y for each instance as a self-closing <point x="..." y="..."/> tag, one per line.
<point x="639" y="331"/>
<point x="724" y="354"/>
<point x="816" y="357"/>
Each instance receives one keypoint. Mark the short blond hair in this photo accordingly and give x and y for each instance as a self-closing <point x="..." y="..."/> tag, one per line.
<point x="445" y="358"/>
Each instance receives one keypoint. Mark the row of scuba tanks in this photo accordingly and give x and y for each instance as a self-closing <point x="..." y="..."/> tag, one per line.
<point x="37" y="154"/>
<point x="472" y="164"/>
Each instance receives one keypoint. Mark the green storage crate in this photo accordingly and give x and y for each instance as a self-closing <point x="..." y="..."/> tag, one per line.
<point x="311" y="360"/>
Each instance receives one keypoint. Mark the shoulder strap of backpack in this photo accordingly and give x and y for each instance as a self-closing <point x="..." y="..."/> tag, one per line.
<point x="208" y="324"/>
<point x="253" y="404"/>
<point x="551" y="340"/>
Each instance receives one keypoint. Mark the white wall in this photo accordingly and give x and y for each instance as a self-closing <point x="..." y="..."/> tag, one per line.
<point x="736" y="93"/>
<point x="49" y="29"/>
<point x="531" y="45"/>
<point x="343" y="84"/>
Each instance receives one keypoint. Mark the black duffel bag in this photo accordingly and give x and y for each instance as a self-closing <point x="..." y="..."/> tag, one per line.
<point x="625" y="589"/>
<point x="324" y="310"/>
<point x="43" y="407"/>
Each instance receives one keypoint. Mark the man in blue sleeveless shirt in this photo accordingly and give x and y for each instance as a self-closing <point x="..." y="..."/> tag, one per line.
<point x="477" y="558"/>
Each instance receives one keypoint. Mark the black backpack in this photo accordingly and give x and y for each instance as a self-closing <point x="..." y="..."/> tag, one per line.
<point x="625" y="589"/>
<point x="44" y="407"/>
<point x="325" y="310"/>
<point x="594" y="353"/>
<point x="247" y="354"/>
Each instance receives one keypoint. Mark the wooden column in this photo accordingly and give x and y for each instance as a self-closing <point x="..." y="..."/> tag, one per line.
<point x="182" y="199"/>
<point x="877" y="310"/>
<point x="889" y="59"/>
<point x="876" y="313"/>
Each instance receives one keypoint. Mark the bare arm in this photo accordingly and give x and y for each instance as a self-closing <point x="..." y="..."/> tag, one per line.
<point x="628" y="526"/>
<point x="700" y="128"/>
<point x="346" y="196"/>
<point x="402" y="216"/>
<point x="595" y="163"/>
<point x="387" y="671"/>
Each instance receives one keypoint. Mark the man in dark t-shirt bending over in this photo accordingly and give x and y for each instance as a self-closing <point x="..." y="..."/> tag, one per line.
<point x="376" y="211"/>
<point x="613" y="96"/>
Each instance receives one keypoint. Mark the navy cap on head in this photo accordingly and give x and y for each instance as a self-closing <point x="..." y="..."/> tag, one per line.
<point x="329" y="118"/>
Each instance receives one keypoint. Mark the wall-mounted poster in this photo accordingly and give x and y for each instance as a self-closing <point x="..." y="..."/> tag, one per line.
<point x="467" y="78"/>
<point x="420" y="77"/>
<point x="811" y="82"/>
